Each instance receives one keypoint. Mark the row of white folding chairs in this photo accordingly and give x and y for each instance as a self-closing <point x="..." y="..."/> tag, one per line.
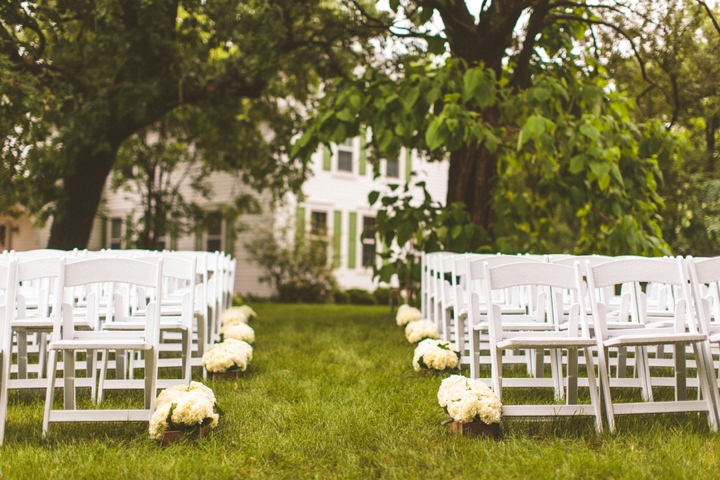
<point x="214" y="293"/>
<point x="643" y="328"/>
<point x="69" y="335"/>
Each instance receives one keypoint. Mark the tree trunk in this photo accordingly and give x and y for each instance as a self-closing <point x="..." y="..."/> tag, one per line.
<point x="471" y="180"/>
<point x="82" y="189"/>
<point x="711" y="127"/>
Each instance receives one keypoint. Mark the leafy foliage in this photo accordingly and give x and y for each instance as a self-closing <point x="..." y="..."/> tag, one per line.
<point x="299" y="272"/>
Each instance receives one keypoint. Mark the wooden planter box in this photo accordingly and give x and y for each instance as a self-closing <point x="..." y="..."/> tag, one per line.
<point x="476" y="429"/>
<point x="172" y="436"/>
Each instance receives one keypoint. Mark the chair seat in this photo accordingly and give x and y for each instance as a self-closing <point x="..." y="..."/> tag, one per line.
<point x="655" y="339"/>
<point x="547" y="342"/>
<point x="100" y="344"/>
<point x="44" y="324"/>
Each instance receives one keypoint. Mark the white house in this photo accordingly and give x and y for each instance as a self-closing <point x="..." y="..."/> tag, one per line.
<point x="335" y="204"/>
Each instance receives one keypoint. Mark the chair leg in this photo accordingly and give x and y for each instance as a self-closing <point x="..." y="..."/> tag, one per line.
<point x="594" y="394"/>
<point x="104" y="354"/>
<point x="120" y="364"/>
<point x="42" y="345"/>
<point x="681" y="373"/>
<point x="22" y="343"/>
<point x="187" y="356"/>
<point x="50" y="393"/>
<point x="572" y="376"/>
<point x="708" y="388"/>
<point x="151" y="357"/>
<point x="605" y="387"/>
<point x="474" y="353"/>
<point x="91" y="372"/>
<point x="496" y="367"/>
<point x="69" y="379"/>
<point x="642" y="367"/>
<point x="5" y="365"/>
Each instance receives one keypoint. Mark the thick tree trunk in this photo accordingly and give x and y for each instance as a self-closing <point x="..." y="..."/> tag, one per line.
<point x="82" y="190"/>
<point x="711" y="127"/>
<point x="471" y="180"/>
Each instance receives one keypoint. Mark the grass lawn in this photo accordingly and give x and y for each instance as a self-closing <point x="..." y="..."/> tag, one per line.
<point x="331" y="393"/>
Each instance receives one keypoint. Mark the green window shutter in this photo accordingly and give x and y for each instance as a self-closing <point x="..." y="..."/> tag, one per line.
<point x="229" y="238"/>
<point x="352" y="240"/>
<point x="300" y="220"/>
<point x="103" y="232"/>
<point x="128" y="231"/>
<point x="408" y="164"/>
<point x="363" y="152"/>
<point x="173" y="242"/>
<point x="337" y="238"/>
<point x="327" y="158"/>
<point x="198" y="241"/>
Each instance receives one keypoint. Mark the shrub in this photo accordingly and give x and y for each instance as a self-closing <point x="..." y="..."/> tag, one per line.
<point x="341" y="297"/>
<point x="361" y="297"/>
<point x="382" y="296"/>
<point x="300" y="273"/>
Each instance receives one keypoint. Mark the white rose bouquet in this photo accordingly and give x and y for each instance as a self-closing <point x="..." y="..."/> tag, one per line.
<point x="420" y="330"/>
<point x="233" y="316"/>
<point x="249" y="312"/>
<point x="240" y="331"/>
<point x="466" y="400"/>
<point x="407" y="314"/>
<point x="184" y="408"/>
<point x="229" y="356"/>
<point x="435" y="354"/>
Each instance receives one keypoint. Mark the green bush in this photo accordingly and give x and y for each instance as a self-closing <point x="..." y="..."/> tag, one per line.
<point x="237" y="300"/>
<point x="359" y="296"/>
<point x="382" y="296"/>
<point x="341" y="297"/>
<point x="299" y="270"/>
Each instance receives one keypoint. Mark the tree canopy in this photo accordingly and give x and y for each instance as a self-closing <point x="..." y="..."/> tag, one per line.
<point x="79" y="78"/>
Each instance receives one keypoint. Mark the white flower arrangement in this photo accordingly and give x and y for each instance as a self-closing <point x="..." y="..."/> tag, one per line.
<point x="184" y="408"/>
<point x="466" y="400"/>
<point x="249" y="312"/>
<point x="229" y="356"/>
<point x="241" y="331"/>
<point x="435" y="354"/>
<point x="407" y="314"/>
<point x="420" y="330"/>
<point x="233" y="316"/>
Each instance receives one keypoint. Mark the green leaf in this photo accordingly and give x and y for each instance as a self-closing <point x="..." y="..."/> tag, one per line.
<point x="577" y="164"/>
<point x="535" y="125"/>
<point x="591" y="132"/>
<point x="491" y="141"/>
<point x="604" y="182"/>
<point x="404" y="232"/>
<point x="410" y="98"/>
<point x="433" y="136"/>
<point x="541" y="94"/>
<point x="373" y="197"/>
<point x="600" y="169"/>
<point x="345" y="115"/>
<point x="456" y="231"/>
<point x="436" y="45"/>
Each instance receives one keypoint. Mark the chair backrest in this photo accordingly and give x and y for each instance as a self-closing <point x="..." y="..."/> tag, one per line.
<point x="632" y="273"/>
<point x="8" y="289"/>
<point x="99" y="271"/>
<point x="542" y="279"/>
<point x="704" y="281"/>
<point x="44" y="273"/>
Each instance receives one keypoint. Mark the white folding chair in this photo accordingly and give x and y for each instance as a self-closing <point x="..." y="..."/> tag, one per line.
<point x="176" y="315"/>
<point x="66" y="338"/>
<point x="644" y="331"/>
<point x="539" y="278"/>
<point x="8" y="286"/>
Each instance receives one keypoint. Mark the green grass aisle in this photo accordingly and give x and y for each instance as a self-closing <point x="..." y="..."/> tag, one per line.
<point x="331" y="393"/>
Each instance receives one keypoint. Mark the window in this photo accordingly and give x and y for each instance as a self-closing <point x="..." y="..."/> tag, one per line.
<point x="318" y="223"/>
<point x="368" y="241"/>
<point x="393" y="168"/>
<point x="116" y="233"/>
<point x="345" y="156"/>
<point x="213" y="242"/>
